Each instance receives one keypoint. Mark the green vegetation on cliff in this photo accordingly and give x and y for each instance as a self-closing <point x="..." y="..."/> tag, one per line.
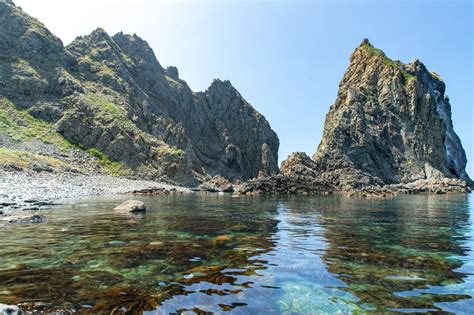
<point x="372" y="51"/>
<point x="20" y="126"/>
<point x="109" y="94"/>
<point x="110" y="167"/>
<point x="26" y="160"/>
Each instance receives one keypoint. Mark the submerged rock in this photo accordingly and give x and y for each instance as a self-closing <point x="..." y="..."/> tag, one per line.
<point x="131" y="206"/>
<point x="19" y="219"/>
<point x="158" y="191"/>
<point x="222" y="238"/>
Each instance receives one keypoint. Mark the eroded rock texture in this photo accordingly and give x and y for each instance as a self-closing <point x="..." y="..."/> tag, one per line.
<point x="390" y="121"/>
<point x="390" y="125"/>
<point x="111" y="94"/>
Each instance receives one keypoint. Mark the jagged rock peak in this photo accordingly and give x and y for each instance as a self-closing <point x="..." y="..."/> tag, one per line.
<point x="218" y="83"/>
<point x="389" y="132"/>
<point x="99" y="34"/>
<point x="15" y="24"/>
<point x="219" y="86"/>
<point x="132" y="40"/>
<point x="111" y="94"/>
<point x="32" y="59"/>
<point x="172" y="72"/>
<point x="137" y="48"/>
<point x="391" y="123"/>
<point x="367" y="50"/>
<point x="365" y="41"/>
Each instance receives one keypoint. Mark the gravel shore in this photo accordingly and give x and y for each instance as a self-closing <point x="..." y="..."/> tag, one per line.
<point x="19" y="190"/>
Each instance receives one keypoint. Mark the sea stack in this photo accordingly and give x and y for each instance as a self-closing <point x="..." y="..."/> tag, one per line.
<point x="390" y="127"/>
<point x="391" y="123"/>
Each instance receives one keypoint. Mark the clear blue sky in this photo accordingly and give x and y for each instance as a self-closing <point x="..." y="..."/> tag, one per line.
<point x="286" y="58"/>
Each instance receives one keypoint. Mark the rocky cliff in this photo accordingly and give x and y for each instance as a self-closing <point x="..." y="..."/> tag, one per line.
<point x="110" y="98"/>
<point x="391" y="122"/>
<point x="390" y="126"/>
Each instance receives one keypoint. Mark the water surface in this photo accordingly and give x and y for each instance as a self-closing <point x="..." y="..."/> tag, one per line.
<point x="245" y="255"/>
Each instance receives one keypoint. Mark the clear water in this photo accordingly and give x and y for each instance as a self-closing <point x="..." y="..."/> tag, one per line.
<point x="245" y="255"/>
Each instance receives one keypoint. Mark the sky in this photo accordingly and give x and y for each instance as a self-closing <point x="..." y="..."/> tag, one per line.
<point x="286" y="57"/>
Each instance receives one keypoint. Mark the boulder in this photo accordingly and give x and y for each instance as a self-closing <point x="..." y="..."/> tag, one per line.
<point x="217" y="184"/>
<point x="131" y="206"/>
<point x="10" y="310"/>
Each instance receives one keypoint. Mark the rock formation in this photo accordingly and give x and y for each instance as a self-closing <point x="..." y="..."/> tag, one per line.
<point x="109" y="94"/>
<point x="389" y="126"/>
<point x="105" y="103"/>
<point x="131" y="206"/>
<point x="391" y="122"/>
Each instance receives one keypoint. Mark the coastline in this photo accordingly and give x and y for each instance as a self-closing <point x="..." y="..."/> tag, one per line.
<point x="32" y="190"/>
<point x="35" y="191"/>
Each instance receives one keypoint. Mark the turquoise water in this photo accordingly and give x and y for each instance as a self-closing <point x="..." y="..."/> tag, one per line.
<point x="245" y="255"/>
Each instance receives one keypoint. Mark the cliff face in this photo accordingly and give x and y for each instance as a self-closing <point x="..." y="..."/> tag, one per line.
<point x="389" y="131"/>
<point x="111" y="95"/>
<point x="108" y="97"/>
<point x="391" y="123"/>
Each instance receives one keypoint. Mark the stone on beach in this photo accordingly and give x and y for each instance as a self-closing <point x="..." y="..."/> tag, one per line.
<point x="10" y="309"/>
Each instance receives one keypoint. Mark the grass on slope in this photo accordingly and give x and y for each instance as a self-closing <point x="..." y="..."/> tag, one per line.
<point x="25" y="159"/>
<point x="22" y="127"/>
<point x="109" y="166"/>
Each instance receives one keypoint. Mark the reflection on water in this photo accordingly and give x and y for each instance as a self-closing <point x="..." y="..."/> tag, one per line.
<point x="251" y="254"/>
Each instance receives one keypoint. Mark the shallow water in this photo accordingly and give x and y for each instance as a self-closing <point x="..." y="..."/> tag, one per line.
<point x="245" y="255"/>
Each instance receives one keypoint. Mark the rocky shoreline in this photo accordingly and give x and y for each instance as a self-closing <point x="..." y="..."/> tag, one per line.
<point x="23" y="193"/>
<point x="283" y="184"/>
<point x="86" y="118"/>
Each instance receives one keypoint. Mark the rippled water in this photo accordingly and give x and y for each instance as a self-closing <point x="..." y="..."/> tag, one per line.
<point x="250" y="254"/>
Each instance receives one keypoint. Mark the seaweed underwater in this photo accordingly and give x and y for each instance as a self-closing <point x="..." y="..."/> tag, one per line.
<point x="201" y="254"/>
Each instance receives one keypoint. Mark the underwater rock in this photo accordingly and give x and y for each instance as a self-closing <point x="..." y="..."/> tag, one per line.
<point x="10" y="310"/>
<point x="131" y="206"/>
<point x="222" y="238"/>
<point x="25" y="219"/>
